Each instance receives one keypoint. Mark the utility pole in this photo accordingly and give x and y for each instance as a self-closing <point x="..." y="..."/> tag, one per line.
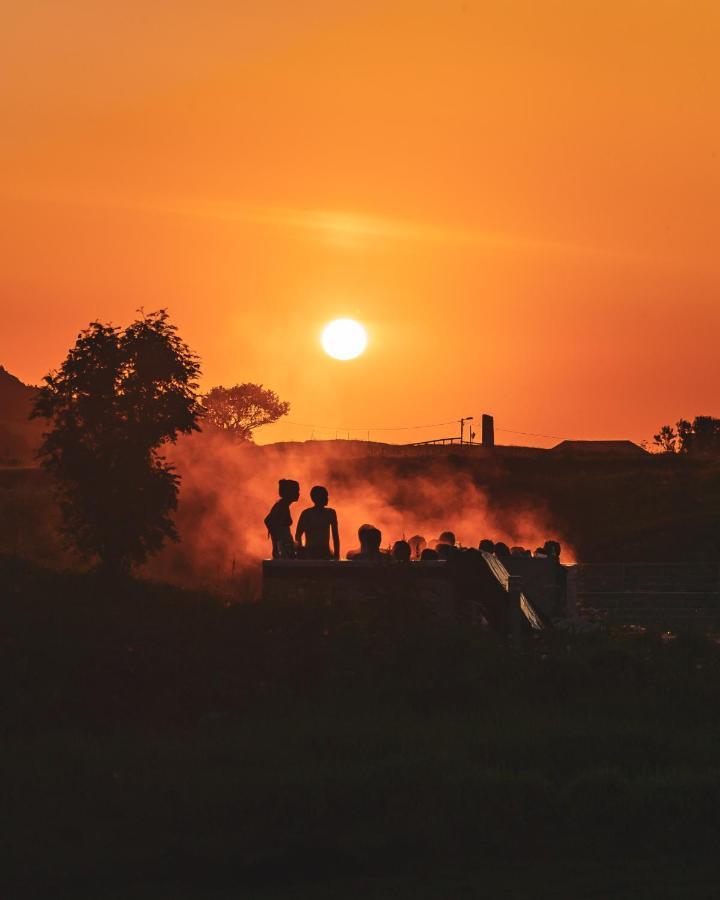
<point x="462" y="426"/>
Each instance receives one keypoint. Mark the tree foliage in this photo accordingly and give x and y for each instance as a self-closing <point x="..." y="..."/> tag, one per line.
<point x="701" y="437"/>
<point x="665" y="440"/>
<point x="118" y="397"/>
<point x="241" y="409"/>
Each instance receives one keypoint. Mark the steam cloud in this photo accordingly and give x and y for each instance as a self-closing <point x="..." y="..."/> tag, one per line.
<point x="227" y="489"/>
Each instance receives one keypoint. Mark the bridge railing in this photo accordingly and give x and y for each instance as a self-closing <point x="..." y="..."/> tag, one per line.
<point x="519" y="605"/>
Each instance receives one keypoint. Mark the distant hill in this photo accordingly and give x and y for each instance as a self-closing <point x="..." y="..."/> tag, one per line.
<point x="19" y="435"/>
<point x="16" y="398"/>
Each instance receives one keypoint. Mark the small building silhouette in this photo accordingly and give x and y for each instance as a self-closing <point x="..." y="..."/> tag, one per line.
<point x="488" y="430"/>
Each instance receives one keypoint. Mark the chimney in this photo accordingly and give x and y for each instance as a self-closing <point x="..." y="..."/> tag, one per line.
<point x="488" y="431"/>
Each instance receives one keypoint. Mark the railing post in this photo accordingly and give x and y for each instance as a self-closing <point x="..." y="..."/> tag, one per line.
<point x="571" y="586"/>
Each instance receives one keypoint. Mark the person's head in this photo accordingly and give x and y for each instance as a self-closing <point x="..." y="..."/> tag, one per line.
<point x="552" y="548"/>
<point x="502" y="549"/>
<point x="417" y="545"/>
<point x="447" y="537"/>
<point x="288" y="489"/>
<point x="540" y="551"/>
<point x="370" y="538"/>
<point x="487" y="545"/>
<point x="319" y="495"/>
<point x="401" y="551"/>
<point x="429" y="553"/>
<point x="517" y="551"/>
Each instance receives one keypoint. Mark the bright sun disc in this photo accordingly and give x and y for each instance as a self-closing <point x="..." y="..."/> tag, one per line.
<point x="344" y="339"/>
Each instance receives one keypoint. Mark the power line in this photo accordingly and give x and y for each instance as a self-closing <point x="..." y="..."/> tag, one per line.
<point x="338" y="428"/>
<point x="532" y="433"/>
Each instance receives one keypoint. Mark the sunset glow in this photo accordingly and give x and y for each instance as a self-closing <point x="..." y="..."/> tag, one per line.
<point x="521" y="198"/>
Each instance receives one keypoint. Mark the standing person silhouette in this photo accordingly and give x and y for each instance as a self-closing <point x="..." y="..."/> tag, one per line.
<point x="279" y="520"/>
<point x="315" y="525"/>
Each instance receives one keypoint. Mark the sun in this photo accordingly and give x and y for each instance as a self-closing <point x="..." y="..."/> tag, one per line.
<point x="344" y="339"/>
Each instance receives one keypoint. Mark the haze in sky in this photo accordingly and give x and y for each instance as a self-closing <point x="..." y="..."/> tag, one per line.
<point x="520" y="201"/>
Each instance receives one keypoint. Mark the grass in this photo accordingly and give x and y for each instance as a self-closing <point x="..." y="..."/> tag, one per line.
<point x="157" y="743"/>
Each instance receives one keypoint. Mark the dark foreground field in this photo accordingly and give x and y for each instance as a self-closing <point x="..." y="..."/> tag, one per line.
<point x="159" y="744"/>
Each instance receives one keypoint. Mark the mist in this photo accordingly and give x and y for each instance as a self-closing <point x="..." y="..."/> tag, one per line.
<point x="227" y="489"/>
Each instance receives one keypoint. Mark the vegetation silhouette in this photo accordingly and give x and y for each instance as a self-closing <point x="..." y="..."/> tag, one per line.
<point x="119" y="396"/>
<point x="666" y="439"/>
<point x="261" y="750"/>
<point x="239" y="410"/>
<point x="701" y="437"/>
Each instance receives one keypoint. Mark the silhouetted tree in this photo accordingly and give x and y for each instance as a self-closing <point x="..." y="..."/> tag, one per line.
<point x="117" y="398"/>
<point x="241" y="409"/>
<point x="666" y="439"/>
<point x="684" y="435"/>
<point x="699" y="437"/>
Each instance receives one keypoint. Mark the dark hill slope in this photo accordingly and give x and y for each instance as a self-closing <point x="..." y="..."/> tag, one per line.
<point x="16" y="398"/>
<point x="654" y="508"/>
<point x="19" y="436"/>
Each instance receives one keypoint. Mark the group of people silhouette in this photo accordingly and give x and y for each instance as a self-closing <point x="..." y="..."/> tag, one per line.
<point x="312" y="535"/>
<point x="318" y="525"/>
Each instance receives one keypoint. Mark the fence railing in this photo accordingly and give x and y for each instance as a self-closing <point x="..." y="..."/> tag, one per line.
<point x="671" y="595"/>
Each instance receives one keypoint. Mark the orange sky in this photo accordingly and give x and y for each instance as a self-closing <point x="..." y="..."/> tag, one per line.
<point x="521" y="200"/>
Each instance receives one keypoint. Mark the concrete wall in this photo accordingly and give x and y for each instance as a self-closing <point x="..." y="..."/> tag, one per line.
<point x="347" y="582"/>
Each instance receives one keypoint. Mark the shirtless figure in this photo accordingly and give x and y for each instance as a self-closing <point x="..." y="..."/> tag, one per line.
<point x="315" y="525"/>
<point x="279" y="520"/>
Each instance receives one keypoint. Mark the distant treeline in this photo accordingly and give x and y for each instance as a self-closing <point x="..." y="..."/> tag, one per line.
<point x="701" y="437"/>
